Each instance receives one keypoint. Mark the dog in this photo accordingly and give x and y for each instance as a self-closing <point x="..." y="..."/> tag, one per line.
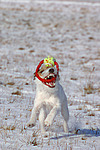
<point x="50" y="96"/>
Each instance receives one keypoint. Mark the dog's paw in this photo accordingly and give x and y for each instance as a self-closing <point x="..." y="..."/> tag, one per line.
<point x="30" y="124"/>
<point x="47" y="122"/>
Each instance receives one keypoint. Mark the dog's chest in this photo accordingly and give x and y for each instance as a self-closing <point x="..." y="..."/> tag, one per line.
<point x="49" y="98"/>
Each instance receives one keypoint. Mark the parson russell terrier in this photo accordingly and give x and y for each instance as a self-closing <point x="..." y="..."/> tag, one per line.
<point x="50" y="96"/>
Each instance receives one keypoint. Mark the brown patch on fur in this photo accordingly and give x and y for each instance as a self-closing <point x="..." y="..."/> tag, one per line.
<point x="43" y="68"/>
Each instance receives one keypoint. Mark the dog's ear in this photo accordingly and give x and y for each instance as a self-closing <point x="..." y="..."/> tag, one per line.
<point x="34" y="76"/>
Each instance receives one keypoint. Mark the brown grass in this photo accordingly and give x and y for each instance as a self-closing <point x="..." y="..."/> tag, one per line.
<point x="91" y="114"/>
<point x="16" y="93"/>
<point x="89" y="89"/>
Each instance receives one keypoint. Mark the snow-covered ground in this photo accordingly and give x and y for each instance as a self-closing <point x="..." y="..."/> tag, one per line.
<point x="71" y="33"/>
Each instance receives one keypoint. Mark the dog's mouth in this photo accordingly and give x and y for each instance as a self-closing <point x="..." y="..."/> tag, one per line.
<point x="50" y="80"/>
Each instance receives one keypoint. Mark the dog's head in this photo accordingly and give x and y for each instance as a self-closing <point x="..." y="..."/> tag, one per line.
<point x="48" y="72"/>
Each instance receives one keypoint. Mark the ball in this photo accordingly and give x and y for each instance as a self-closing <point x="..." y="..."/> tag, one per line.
<point x="49" y="61"/>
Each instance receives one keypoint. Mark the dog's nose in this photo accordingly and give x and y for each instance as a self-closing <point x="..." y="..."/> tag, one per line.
<point x="51" y="70"/>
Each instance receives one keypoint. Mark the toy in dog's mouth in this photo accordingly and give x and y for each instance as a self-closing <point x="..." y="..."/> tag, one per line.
<point x="50" y="80"/>
<point x="49" y="65"/>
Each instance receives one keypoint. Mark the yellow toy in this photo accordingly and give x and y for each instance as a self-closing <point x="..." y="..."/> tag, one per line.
<point x="49" y="61"/>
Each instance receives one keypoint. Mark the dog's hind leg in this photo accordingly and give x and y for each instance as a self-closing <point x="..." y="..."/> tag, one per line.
<point x="42" y="117"/>
<point x="65" y="115"/>
<point x="65" y="125"/>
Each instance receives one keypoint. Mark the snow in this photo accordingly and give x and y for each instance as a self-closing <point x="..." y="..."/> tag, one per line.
<point x="28" y="33"/>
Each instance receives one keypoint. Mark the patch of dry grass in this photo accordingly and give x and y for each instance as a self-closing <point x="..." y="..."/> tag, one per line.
<point x="6" y="127"/>
<point x="89" y="89"/>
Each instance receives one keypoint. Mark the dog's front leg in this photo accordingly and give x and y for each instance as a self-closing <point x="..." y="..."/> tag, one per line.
<point x="42" y="117"/>
<point x="33" y="117"/>
<point x="50" y="117"/>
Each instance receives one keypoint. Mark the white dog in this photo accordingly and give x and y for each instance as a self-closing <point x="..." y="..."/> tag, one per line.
<point x="50" y="97"/>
